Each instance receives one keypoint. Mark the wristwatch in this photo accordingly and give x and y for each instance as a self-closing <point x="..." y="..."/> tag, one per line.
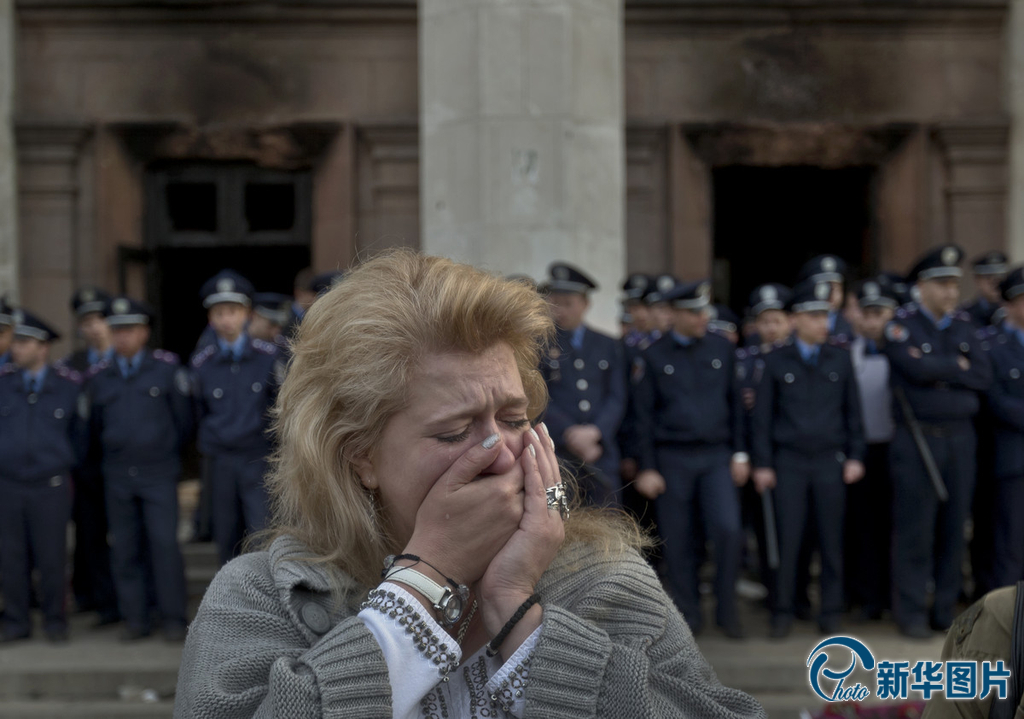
<point x="449" y="604"/>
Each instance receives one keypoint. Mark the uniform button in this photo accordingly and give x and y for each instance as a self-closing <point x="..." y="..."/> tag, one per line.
<point x="716" y="363"/>
<point x="235" y="369"/>
<point x="584" y="405"/>
<point x="256" y="386"/>
<point x="32" y="399"/>
<point x="315" y="617"/>
<point x="553" y="364"/>
<point x="669" y="369"/>
<point x="789" y="378"/>
<point x="833" y="376"/>
<point x="56" y="481"/>
<point x="1015" y="373"/>
<point x="133" y="471"/>
<point x="578" y="364"/>
<point x="218" y="393"/>
<point x="964" y="347"/>
<point x="154" y="391"/>
<point x="581" y="384"/>
<point x="840" y="457"/>
<point x="603" y="364"/>
<point x="926" y="348"/>
<point x="58" y="413"/>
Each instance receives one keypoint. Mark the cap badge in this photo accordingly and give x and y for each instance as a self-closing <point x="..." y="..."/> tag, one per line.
<point x="665" y="283"/>
<point x="637" y="282"/>
<point x="18" y="316"/>
<point x="769" y="294"/>
<point x="704" y="291"/>
<point x="120" y="306"/>
<point x="225" y="285"/>
<point x="871" y="290"/>
<point x="822" y="291"/>
<point x="88" y="296"/>
<point x="828" y="264"/>
<point x="949" y="256"/>
<point x="560" y="273"/>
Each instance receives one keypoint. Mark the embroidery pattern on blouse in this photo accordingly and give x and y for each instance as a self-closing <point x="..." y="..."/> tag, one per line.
<point x="428" y="644"/>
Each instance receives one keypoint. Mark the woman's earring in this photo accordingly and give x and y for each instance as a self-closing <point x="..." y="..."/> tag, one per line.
<point x="373" y="510"/>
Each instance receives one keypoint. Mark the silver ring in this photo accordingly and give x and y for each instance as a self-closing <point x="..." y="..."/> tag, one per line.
<point x="557" y="499"/>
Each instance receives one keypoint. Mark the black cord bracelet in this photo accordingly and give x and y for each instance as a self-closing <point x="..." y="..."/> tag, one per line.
<point x="414" y="558"/>
<point x="494" y="644"/>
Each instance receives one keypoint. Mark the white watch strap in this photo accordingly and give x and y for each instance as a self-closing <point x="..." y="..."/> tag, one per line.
<point x="419" y="581"/>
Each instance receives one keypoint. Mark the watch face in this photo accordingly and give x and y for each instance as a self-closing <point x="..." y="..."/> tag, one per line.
<point x="452" y="608"/>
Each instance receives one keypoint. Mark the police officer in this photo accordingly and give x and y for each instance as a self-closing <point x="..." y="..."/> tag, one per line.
<point x="141" y="417"/>
<point x="688" y="418"/>
<point x="869" y="502"/>
<point x="271" y="315"/>
<point x="91" y="578"/>
<point x="89" y="305"/>
<point x="6" y="331"/>
<point x="662" y="314"/>
<point x="938" y="367"/>
<point x="808" y="442"/>
<point x="587" y="387"/>
<point x="767" y="307"/>
<point x="830" y="269"/>
<point x="989" y="270"/>
<point x="236" y="383"/>
<point x="1006" y="402"/>
<point x="41" y="441"/>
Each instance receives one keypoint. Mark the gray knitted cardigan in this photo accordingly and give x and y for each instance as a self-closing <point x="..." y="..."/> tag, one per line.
<point x="268" y="641"/>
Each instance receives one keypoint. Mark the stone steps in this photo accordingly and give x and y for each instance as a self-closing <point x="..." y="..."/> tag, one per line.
<point x="86" y="710"/>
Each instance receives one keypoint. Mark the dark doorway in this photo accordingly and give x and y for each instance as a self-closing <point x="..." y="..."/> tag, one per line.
<point x="183" y="270"/>
<point x="768" y="221"/>
<point x="205" y="217"/>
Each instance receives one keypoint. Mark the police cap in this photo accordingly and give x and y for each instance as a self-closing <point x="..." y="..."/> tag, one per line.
<point x="661" y="286"/>
<point x="273" y="306"/>
<point x="771" y="296"/>
<point x="636" y="286"/>
<point x="876" y="293"/>
<point x="990" y="263"/>
<point x="27" y="324"/>
<point x="823" y="268"/>
<point x="126" y="312"/>
<point x="1012" y="285"/>
<point x="690" y="295"/>
<point x="325" y="281"/>
<point x="5" y="313"/>
<point x="227" y="286"/>
<point x="811" y="296"/>
<point x="88" y="300"/>
<point x="566" y="278"/>
<point x="723" y="319"/>
<point x="937" y="264"/>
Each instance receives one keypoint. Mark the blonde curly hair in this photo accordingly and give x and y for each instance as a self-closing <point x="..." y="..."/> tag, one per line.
<point x="353" y="358"/>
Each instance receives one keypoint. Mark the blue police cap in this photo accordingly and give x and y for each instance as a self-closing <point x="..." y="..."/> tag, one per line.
<point x="875" y="292"/>
<point x="566" y="278"/>
<point x="226" y="286"/>
<point x="325" y="281"/>
<point x="636" y="286"/>
<point x="88" y="300"/>
<point x="5" y="313"/>
<point x="770" y="296"/>
<point x="662" y="285"/>
<point x="125" y="312"/>
<point x="990" y="263"/>
<point x="1012" y="285"/>
<point x="690" y="295"/>
<point x="937" y="264"/>
<point x="27" y="324"/>
<point x="823" y="268"/>
<point x="897" y="285"/>
<point x="811" y="296"/>
<point x="723" y="319"/>
<point x="273" y="306"/>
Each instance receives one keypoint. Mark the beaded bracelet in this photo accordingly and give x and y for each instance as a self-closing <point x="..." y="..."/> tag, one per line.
<point x="494" y="644"/>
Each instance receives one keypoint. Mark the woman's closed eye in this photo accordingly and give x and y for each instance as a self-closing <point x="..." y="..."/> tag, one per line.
<point x="464" y="435"/>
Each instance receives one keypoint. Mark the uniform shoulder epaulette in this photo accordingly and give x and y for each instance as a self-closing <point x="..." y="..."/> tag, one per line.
<point x="200" y="357"/>
<point x="96" y="369"/>
<point x="165" y="356"/>
<point x="67" y="373"/>
<point x="267" y="348"/>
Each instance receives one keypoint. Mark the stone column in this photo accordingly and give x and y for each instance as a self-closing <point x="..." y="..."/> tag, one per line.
<point x="8" y="160"/>
<point x="521" y="136"/>
<point x="1015" y="107"/>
